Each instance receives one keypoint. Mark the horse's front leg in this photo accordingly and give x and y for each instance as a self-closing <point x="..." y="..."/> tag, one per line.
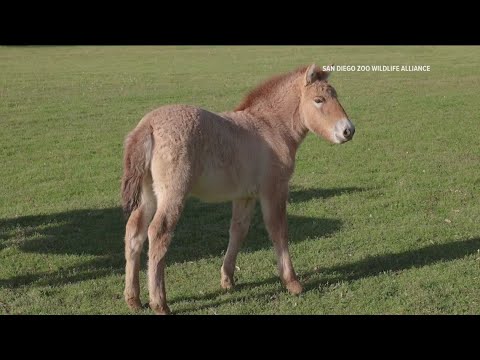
<point x="274" y="209"/>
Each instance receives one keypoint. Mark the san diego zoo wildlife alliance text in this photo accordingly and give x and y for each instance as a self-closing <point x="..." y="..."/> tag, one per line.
<point x="385" y="68"/>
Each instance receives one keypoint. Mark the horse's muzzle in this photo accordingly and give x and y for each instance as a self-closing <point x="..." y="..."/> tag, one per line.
<point x="344" y="131"/>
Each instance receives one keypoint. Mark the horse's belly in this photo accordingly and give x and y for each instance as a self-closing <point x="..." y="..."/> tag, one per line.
<point x="220" y="185"/>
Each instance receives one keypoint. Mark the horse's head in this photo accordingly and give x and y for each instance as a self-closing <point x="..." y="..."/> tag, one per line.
<point x="320" y="109"/>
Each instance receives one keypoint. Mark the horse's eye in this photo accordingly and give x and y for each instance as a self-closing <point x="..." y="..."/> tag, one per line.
<point x="319" y="100"/>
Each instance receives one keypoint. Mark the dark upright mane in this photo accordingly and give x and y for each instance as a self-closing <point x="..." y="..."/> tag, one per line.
<point x="266" y="88"/>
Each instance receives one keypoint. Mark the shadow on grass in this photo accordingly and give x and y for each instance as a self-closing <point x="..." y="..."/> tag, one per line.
<point x="201" y="233"/>
<point x="368" y="267"/>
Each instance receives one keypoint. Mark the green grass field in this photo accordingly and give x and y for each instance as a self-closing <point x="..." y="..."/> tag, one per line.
<point x="386" y="224"/>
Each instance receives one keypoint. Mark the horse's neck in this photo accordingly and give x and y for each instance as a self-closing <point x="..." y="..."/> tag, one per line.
<point x="276" y="110"/>
<point x="283" y="114"/>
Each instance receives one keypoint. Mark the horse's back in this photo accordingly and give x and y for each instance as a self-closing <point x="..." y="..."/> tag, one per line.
<point x="221" y="152"/>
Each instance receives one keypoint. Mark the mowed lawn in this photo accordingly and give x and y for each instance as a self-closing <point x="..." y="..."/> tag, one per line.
<point x="386" y="224"/>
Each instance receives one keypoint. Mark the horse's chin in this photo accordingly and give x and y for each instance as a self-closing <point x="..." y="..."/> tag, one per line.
<point x="331" y="138"/>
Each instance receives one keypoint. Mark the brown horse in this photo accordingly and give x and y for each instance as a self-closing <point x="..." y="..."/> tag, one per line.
<point x="240" y="156"/>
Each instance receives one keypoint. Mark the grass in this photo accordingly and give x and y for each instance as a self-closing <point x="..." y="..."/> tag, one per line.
<point x="386" y="224"/>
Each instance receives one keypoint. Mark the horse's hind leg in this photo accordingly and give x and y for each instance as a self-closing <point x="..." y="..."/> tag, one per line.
<point x="135" y="236"/>
<point x="170" y="202"/>
<point x="242" y="211"/>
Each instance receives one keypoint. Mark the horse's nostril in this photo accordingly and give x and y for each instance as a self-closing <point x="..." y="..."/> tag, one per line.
<point x="347" y="133"/>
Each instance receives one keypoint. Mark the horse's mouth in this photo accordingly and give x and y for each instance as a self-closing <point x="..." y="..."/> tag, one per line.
<point x="340" y="139"/>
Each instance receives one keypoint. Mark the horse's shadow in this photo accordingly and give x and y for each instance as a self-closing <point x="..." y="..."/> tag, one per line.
<point x="201" y="233"/>
<point x="319" y="279"/>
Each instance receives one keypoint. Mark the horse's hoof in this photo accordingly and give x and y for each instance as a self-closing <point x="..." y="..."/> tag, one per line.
<point x="294" y="287"/>
<point x="226" y="281"/>
<point x="160" y="310"/>
<point x="134" y="303"/>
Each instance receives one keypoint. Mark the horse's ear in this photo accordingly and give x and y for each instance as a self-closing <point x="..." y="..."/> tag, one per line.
<point x="325" y="74"/>
<point x="311" y="74"/>
<point x="314" y="73"/>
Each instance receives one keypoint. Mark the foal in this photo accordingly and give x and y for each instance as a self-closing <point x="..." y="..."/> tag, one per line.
<point x="241" y="156"/>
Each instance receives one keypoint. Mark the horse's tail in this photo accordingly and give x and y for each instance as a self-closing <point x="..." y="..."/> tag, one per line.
<point x="136" y="163"/>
